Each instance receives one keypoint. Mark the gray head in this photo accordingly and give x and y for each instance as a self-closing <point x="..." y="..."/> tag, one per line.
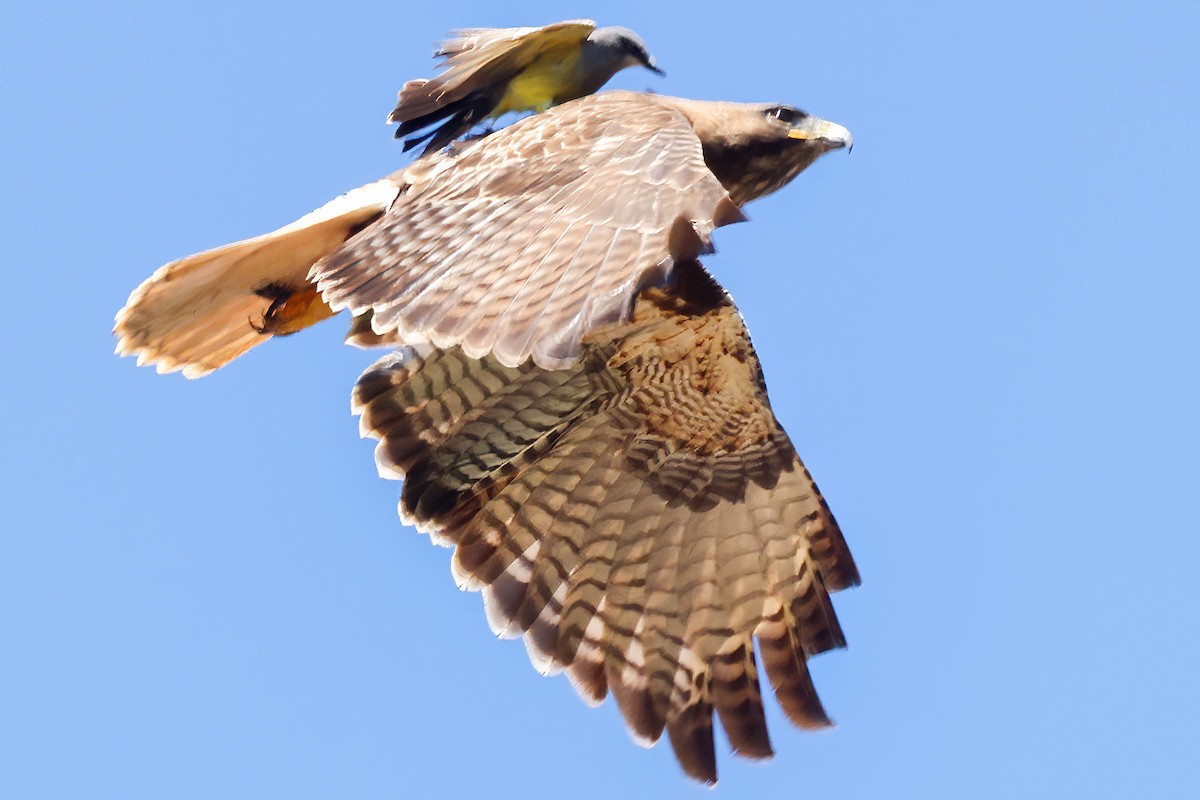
<point x="614" y="48"/>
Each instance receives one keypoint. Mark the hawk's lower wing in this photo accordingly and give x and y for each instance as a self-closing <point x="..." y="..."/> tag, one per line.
<point x="200" y="312"/>
<point x="525" y="241"/>
<point x="639" y="518"/>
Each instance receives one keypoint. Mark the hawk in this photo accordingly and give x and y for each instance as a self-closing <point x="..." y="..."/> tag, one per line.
<point x="577" y="408"/>
<point x="516" y="244"/>
<point x="639" y="518"/>
<point x="490" y="72"/>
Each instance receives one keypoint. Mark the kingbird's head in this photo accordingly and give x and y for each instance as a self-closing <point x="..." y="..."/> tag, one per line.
<point x="755" y="149"/>
<point x="618" y="48"/>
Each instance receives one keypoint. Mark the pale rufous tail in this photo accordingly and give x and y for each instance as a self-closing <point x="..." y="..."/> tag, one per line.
<point x="201" y="312"/>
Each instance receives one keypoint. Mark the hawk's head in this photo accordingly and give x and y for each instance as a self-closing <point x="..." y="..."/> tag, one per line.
<point x="755" y="149"/>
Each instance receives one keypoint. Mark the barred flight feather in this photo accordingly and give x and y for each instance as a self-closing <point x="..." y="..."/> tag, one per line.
<point x="640" y="517"/>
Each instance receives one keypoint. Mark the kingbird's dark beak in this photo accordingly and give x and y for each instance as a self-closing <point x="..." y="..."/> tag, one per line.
<point x="830" y="134"/>
<point x="652" y="65"/>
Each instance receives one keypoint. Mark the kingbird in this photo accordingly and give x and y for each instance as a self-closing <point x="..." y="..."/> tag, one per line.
<point x="490" y="72"/>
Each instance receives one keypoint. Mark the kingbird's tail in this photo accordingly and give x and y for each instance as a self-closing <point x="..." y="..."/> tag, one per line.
<point x="460" y="115"/>
<point x="200" y="312"/>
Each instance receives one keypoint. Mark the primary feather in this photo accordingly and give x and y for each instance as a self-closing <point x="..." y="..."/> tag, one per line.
<point x="639" y="518"/>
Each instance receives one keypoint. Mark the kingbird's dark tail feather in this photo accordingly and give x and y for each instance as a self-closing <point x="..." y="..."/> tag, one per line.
<point x="412" y="142"/>
<point x="463" y="115"/>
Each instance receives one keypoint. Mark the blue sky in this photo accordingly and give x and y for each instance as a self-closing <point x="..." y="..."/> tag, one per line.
<point x="980" y="330"/>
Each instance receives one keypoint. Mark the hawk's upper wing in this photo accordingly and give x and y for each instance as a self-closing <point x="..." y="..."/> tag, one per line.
<point x="479" y="58"/>
<point x="200" y="312"/>
<point x="639" y="518"/>
<point x="526" y="240"/>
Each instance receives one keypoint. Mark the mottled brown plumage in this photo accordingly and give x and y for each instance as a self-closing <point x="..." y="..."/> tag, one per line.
<point x="523" y="242"/>
<point x="638" y="518"/>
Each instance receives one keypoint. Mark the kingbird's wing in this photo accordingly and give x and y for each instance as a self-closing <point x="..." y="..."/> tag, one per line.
<point x="200" y="312"/>
<point x="638" y="518"/>
<point x="485" y="60"/>
<point x="526" y="240"/>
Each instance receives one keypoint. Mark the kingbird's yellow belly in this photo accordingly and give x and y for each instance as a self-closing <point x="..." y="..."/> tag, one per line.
<point x="538" y="85"/>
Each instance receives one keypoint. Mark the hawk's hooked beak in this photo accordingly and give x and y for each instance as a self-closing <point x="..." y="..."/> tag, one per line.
<point x="829" y="133"/>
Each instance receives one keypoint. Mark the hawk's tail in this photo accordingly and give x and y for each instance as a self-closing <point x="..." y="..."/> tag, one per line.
<point x="200" y="312"/>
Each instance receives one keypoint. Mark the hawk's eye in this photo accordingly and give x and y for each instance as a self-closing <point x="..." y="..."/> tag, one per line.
<point x="786" y="115"/>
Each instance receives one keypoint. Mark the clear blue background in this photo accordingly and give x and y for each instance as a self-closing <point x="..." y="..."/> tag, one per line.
<point x="980" y="329"/>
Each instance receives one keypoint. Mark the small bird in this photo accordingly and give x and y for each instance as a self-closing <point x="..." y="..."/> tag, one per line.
<point x="490" y="72"/>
